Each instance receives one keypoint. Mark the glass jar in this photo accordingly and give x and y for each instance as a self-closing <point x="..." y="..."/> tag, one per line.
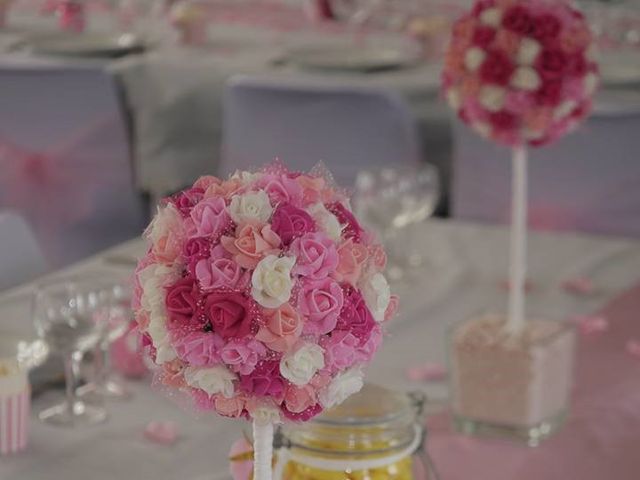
<point x="513" y="385"/>
<point x="375" y="434"/>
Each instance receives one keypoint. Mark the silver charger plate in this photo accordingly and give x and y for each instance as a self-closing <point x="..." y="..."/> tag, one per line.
<point x="86" y="44"/>
<point x="353" y="58"/>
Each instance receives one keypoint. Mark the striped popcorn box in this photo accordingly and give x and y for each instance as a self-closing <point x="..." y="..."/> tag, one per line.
<point x="15" y="406"/>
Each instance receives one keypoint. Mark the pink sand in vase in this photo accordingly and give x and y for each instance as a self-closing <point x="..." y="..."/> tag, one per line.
<point x="513" y="385"/>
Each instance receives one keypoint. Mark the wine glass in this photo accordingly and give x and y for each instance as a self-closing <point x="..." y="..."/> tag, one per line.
<point x="392" y="199"/>
<point x="113" y="323"/>
<point x="65" y="312"/>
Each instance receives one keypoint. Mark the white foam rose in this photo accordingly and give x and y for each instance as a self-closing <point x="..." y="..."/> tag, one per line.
<point x="245" y="177"/>
<point x="564" y="109"/>
<point x="301" y="365"/>
<point x="326" y="220"/>
<point x="167" y="220"/>
<point x="473" y="58"/>
<point x="271" y="281"/>
<point x="491" y="17"/>
<point x="152" y="280"/>
<point x="454" y="98"/>
<point x="528" y="51"/>
<point x="482" y="128"/>
<point x="590" y="83"/>
<point x="377" y="295"/>
<point x="341" y="387"/>
<point x="492" y="98"/>
<point x="213" y="380"/>
<point x="525" y="78"/>
<point x="252" y="207"/>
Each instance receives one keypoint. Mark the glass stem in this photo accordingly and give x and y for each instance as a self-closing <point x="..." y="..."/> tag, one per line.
<point x="72" y="375"/>
<point x="101" y="363"/>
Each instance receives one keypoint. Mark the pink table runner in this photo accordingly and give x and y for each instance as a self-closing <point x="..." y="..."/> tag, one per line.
<point x="601" y="439"/>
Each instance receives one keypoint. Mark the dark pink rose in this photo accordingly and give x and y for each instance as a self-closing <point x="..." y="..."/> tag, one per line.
<point x="577" y="65"/>
<point x="352" y="228"/>
<point x="355" y="316"/>
<point x="546" y="28"/>
<point x="181" y="302"/>
<point x="371" y="345"/>
<point x="519" y="20"/>
<point x="289" y="222"/>
<point x="320" y="302"/>
<point x="264" y="381"/>
<point x="552" y="63"/>
<point x="483" y="36"/>
<point x="185" y="200"/>
<point x="503" y="120"/>
<point x="228" y="314"/>
<point x="550" y="93"/>
<point x="497" y="68"/>
<point x="198" y="348"/>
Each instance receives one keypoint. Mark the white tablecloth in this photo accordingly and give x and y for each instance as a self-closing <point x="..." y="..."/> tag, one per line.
<point x="465" y="266"/>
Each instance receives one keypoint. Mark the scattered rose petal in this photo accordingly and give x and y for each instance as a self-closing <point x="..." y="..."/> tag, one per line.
<point x="591" y="324"/>
<point x="241" y="460"/>
<point x="633" y="348"/>
<point x="579" y="286"/>
<point x="428" y="372"/>
<point x="163" y="433"/>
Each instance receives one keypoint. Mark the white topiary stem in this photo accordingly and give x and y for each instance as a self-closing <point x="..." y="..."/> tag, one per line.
<point x="262" y="450"/>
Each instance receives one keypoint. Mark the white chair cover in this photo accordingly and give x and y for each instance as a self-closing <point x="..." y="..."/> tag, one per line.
<point x="586" y="182"/>
<point x="65" y="161"/>
<point x="20" y="256"/>
<point x="347" y="128"/>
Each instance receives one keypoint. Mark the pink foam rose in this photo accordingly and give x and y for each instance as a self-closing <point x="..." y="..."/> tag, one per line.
<point x="251" y="244"/>
<point x="202" y="400"/>
<point x="340" y="350"/>
<point x="378" y="257"/>
<point x="290" y="222"/>
<point x="198" y="348"/>
<point x="167" y="248"/>
<point x="370" y="346"/>
<point x="316" y="256"/>
<point x="313" y="189"/>
<point x="206" y="181"/>
<point x="264" y="381"/>
<point x="352" y="228"/>
<point x="321" y="303"/>
<point x="355" y="316"/>
<point x="229" y="407"/>
<point x="214" y="273"/>
<point x="181" y="302"/>
<point x="392" y="308"/>
<point x="224" y="189"/>
<point x="298" y="399"/>
<point x="351" y="259"/>
<point x="281" y="189"/>
<point x="282" y="328"/>
<point x="210" y="217"/>
<point x="171" y="374"/>
<point x="228" y="314"/>
<point x="303" y="416"/>
<point x="242" y="355"/>
<point x="195" y="249"/>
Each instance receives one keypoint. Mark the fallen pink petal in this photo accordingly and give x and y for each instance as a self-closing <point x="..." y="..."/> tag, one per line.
<point x="579" y="286"/>
<point x="633" y="348"/>
<point x="591" y="324"/>
<point x="163" y="433"/>
<point x="428" y="372"/>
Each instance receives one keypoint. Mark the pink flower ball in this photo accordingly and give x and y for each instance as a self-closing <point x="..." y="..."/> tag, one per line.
<point x="518" y="57"/>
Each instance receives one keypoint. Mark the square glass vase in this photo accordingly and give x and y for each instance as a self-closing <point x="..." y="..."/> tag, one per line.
<point x="511" y="385"/>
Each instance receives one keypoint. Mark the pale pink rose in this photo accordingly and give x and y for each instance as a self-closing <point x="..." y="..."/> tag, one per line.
<point x="282" y="328"/>
<point x="171" y="374"/>
<point x="340" y="350"/>
<point x="210" y="217"/>
<point x="213" y="273"/>
<point x="242" y="355"/>
<point x="167" y="248"/>
<point x="368" y="349"/>
<point x="251" y="244"/>
<point x="392" y="308"/>
<point x="224" y="189"/>
<point x="378" y="257"/>
<point x="314" y="190"/>
<point x="298" y="399"/>
<point x="316" y="256"/>
<point x="351" y="259"/>
<point x="281" y="189"/>
<point x="321" y="302"/>
<point x="197" y="348"/>
<point x="206" y="181"/>
<point x="229" y="407"/>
